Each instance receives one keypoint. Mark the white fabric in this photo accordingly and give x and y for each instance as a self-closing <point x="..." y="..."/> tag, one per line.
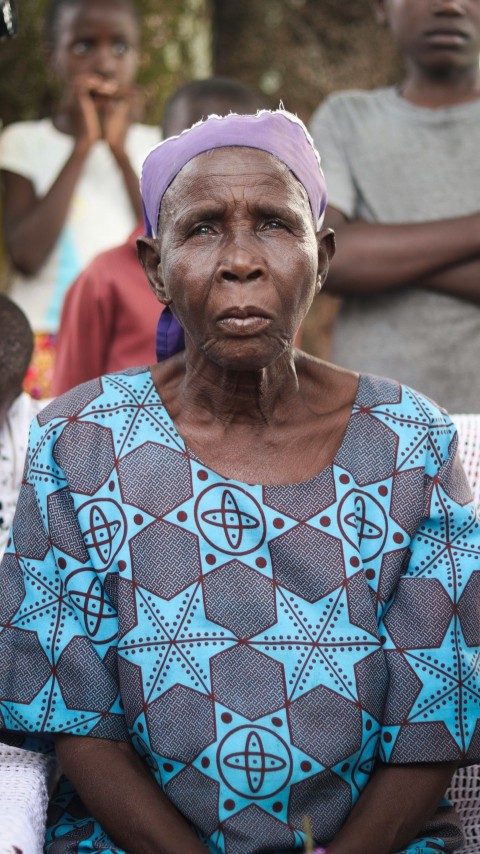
<point x="13" y="447"/>
<point x="100" y="214"/>
<point x="25" y="781"/>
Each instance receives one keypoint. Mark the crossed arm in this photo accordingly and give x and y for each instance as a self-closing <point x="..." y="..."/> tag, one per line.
<point x="119" y="791"/>
<point x="441" y="255"/>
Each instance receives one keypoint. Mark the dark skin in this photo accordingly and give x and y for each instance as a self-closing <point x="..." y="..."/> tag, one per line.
<point x="239" y="261"/>
<point x="95" y="56"/>
<point x="441" y="44"/>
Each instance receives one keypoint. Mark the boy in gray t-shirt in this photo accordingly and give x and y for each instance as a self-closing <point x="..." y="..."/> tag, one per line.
<point x="404" y="192"/>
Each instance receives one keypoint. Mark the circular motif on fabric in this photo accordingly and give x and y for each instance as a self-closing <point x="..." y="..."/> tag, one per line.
<point x="230" y="519"/>
<point x="106" y="528"/>
<point x="365" y="525"/>
<point x="254" y="762"/>
<point x="88" y="594"/>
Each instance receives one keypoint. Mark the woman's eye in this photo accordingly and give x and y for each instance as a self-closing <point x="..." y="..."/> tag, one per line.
<point x="202" y="228"/>
<point x="273" y="223"/>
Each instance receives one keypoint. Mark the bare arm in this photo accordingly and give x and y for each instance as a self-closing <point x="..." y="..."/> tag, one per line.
<point x="118" y="790"/>
<point x="372" y="258"/>
<point x="393" y="807"/>
<point x="32" y="225"/>
<point x="462" y="280"/>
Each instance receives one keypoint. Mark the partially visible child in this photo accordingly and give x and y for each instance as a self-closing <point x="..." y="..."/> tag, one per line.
<point x="71" y="180"/>
<point x="16" y="408"/>
<point x="110" y="316"/>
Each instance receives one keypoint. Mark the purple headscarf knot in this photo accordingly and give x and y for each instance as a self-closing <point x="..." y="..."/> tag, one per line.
<point x="277" y="132"/>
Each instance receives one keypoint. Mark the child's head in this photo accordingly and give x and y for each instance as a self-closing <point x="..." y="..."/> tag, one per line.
<point x="200" y="98"/>
<point x="438" y="37"/>
<point x="93" y="37"/>
<point x="16" y="347"/>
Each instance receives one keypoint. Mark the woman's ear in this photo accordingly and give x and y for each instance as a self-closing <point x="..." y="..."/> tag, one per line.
<point x="326" y="251"/>
<point x="148" y="251"/>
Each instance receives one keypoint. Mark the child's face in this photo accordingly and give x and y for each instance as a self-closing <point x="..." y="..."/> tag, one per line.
<point x="96" y="37"/>
<point x="435" y="34"/>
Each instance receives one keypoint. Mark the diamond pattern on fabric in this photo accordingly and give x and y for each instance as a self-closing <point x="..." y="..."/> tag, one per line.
<point x="71" y="404"/>
<point x="468" y="610"/>
<point x="84" y="680"/>
<point x="244" y="616"/>
<point x="341" y="723"/>
<point x="254" y="822"/>
<point x="79" y="442"/>
<point x="409" y="624"/>
<point x="61" y="525"/>
<point x="197" y="798"/>
<point x="177" y="548"/>
<point x="168" y="736"/>
<point x="429" y="739"/>
<point x="258" y="646"/>
<point x="326" y="800"/>
<point x="13" y="591"/>
<point x="247" y="681"/>
<point x="32" y="668"/>
<point x="405" y="689"/>
<point x="31" y="539"/>
<point x="144" y="469"/>
<point x="307" y="562"/>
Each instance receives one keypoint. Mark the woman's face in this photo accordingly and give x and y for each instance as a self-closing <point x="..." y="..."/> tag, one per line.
<point x="99" y="38"/>
<point x="239" y="255"/>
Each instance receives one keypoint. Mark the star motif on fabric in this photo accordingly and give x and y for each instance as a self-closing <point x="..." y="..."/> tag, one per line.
<point x="446" y="545"/>
<point x="254" y="762"/>
<point x="51" y="705"/>
<point x="455" y="669"/>
<point x="230" y="521"/>
<point x="421" y="430"/>
<point x="40" y="472"/>
<point x="136" y="400"/>
<point x="362" y="516"/>
<point x="174" y="640"/>
<point x="356" y="770"/>
<point x="322" y="646"/>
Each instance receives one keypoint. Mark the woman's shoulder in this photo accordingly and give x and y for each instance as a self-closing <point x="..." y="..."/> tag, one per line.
<point x="93" y="398"/>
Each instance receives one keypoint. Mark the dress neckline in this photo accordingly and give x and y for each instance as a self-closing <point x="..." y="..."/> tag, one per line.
<point x="289" y="484"/>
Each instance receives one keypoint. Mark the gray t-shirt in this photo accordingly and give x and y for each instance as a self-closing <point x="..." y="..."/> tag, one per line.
<point x="388" y="161"/>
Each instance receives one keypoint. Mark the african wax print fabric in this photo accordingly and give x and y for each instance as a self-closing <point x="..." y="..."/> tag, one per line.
<point x="261" y="646"/>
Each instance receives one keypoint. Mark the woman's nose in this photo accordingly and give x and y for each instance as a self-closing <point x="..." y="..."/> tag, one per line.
<point x="239" y="264"/>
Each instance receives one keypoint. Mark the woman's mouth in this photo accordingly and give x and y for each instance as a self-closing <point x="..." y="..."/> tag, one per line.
<point x="239" y="323"/>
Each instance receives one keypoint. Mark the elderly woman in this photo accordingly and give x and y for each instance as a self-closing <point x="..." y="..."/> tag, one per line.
<point x="240" y="591"/>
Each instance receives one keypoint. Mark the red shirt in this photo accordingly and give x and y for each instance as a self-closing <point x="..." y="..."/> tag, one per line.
<point x="109" y="319"/>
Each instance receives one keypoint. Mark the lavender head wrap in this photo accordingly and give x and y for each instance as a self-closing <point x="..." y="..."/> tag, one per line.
<point x="277" y="132"/>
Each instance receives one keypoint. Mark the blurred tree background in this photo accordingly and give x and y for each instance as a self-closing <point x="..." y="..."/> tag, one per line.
<point x="296" y="51"/>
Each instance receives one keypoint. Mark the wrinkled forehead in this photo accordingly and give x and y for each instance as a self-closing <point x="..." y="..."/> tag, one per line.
<point x="276" y="133"/>
<point x="225" y="173"/>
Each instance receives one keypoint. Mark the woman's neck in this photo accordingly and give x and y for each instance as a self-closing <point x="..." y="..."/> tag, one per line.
<point x="254" y="397"/>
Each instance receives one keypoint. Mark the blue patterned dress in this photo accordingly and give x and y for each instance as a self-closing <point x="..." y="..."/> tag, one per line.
<point x="261" y="646"/>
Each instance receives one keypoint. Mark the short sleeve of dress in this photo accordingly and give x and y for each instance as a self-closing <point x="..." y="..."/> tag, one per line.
<point x="58" y="623"/>
<point x="329" y="137"/>
<point x="431" y="626"/>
